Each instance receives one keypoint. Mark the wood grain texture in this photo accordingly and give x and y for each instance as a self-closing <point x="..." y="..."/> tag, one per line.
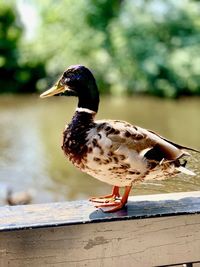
<point x="79" y="212"/>
<point x="155" y="230"/>
<point x="146" y="242"/>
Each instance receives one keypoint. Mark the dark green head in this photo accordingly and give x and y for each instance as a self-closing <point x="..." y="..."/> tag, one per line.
<point x="77" y="81"/>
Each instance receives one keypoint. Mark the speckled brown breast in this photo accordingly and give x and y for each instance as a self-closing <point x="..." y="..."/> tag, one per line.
<point x="74" y="138"/>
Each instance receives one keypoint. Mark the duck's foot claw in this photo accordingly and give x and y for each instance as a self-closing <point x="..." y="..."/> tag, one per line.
<point x="108" y="198"/>
<point x="104" y="199"/>
<point x="111" y="206"/>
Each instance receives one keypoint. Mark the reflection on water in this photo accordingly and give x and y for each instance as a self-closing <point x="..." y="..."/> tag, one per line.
<point x="31" y="134"/>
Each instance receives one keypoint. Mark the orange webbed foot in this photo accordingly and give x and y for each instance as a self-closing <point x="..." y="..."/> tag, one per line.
<point x="108" y="198"/>
<point x="113" y="202"/>
<point x="111" y="206"/>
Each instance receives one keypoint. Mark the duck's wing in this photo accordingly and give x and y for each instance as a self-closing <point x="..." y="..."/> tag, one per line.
<point x="145" y="142"/>
<point x="175" y="144"/>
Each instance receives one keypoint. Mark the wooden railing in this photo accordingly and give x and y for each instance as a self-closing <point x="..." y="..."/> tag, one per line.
<point x="154" y="230"/>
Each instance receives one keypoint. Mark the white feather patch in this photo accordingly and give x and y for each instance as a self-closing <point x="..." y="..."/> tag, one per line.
<point x="87" y="110"/>
<point x="184" y="170"/>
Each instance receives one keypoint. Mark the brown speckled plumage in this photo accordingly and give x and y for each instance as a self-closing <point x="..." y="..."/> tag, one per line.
<point x="74" y="137"/>
<point x="113" y="151"/>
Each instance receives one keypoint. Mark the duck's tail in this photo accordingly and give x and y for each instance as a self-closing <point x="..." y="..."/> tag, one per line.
<point x="185" y="170"/>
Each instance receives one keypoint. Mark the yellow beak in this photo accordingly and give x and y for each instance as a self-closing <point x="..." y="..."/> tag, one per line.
<point x="56" y="89"/>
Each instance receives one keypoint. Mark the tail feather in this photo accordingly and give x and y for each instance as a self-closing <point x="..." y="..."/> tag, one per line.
<point x="185" y="170"/>
<point x="183" y="147"/>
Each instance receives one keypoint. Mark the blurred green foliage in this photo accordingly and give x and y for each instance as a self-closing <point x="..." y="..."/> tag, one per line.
<point x="141" y="46"/>
<point x="17" y="74"/>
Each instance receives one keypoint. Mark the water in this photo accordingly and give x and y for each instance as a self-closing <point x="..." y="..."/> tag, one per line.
<point x="31" y="135"/>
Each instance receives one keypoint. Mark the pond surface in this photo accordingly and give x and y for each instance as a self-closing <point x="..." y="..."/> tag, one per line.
<point x="31" y="134"/>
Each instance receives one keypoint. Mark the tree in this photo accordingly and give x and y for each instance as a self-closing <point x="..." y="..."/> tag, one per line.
<point x="155" y="47"/>
<point x="16" y="76"/>
<point x="145" y="46"/>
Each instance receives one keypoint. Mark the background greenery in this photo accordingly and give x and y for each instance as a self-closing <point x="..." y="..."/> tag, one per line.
<point x="141" y="46"/>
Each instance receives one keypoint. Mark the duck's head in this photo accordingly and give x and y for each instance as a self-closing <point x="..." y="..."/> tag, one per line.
<point x="77" y="81"/>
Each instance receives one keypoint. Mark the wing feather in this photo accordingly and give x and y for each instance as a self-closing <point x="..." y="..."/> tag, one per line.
<point x="175" y="144"/>
<point x="146" y="142"/>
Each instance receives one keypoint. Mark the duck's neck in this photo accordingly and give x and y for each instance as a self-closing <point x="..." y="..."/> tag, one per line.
<point x="85" y="110"/>
<point x="81" y="121"/>
<point x="88" y="98"/>
<point x="83" y="116"/>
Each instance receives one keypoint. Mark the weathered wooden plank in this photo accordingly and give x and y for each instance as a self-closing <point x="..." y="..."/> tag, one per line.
<point x="154" y="230"/>
<point x="78" y="212"/>
<point x="146" y="242"/>
<point x="3" y="258"/>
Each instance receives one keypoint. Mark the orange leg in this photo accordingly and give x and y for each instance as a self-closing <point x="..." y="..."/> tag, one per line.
<point x="105" y="199"/>
<point x="116" y="204"/>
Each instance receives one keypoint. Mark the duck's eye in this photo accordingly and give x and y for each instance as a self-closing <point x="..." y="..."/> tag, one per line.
<point x="66" y="80"/>
<point x="70" y="78"/>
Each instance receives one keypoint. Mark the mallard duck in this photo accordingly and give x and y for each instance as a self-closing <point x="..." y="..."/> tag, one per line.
<point x="18" y="198"/>
<point x="113" y="151"/>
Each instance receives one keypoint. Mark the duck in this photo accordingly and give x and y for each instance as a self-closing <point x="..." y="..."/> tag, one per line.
<point x="18" y="198"/>
<point x="113" y="151"/>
